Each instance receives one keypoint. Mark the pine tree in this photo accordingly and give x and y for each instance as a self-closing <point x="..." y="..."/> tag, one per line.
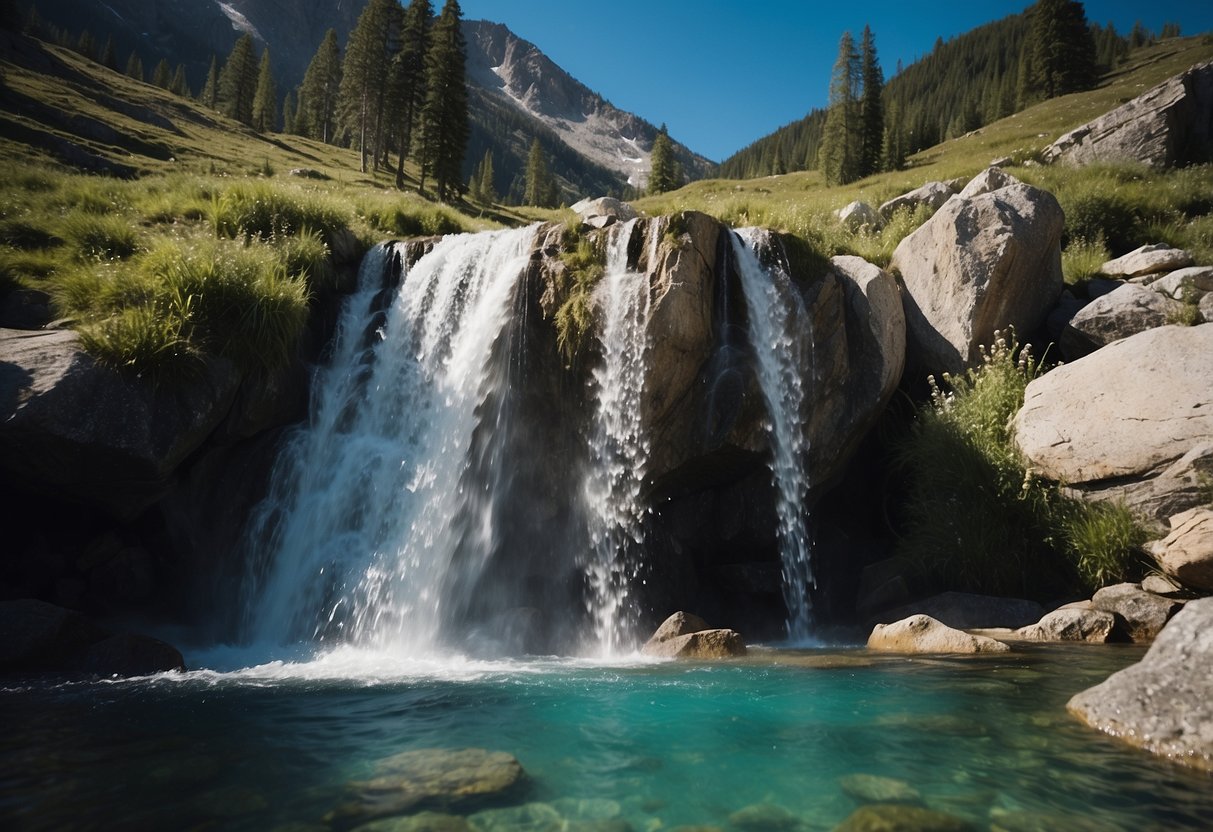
<point x="538" y="180"/>
<point x="407" y="81"/>
<point x="134" y="66"/>
<point x="86" y="45"/>
<point x="364" y="77"/>
<point x="288" y="112"/>
<point x="210" y="90"/>
<point x="840" y="141"/>
<point x="108" y="56"/>
<point x="661" y="168"/>
<point x="481" y="185"/>
<point x="1063" y="49"/>
<point x="444" y="118"/>
<point x="238" y="82"/>
<point x="265" y="99"/>
<point x="871" y="107"/>
<point x="162" y="75"/>
<point x="317" y="106"/>
<point x="893" y="151"/>
<point x="179" y="85"/>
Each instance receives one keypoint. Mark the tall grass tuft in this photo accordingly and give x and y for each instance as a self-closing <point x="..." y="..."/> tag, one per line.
<point x="582" y="268"/>
<point x="1082" y="259"/>
<point x="100" y="237"/>
<point x="260" y="209"/>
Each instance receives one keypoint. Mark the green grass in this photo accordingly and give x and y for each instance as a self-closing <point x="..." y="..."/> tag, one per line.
<point x="976" y="520"/>
<point x="1082" y="259"/>
<point x="583" y="266"/>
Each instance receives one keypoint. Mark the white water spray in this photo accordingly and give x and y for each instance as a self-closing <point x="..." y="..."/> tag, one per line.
<point x="362" y="524"/>
<point x="780" y="330"/>
<point x="618" y="448"/>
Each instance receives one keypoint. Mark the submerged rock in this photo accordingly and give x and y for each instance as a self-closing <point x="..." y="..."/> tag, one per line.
<point x="872" y="788"/>
<point x="902" y="818"/>
<point x="1164" y="703"/>
<point x="530" y="817"/>
<point x="765" y="817"/>
<point x="1187" y="552"/>
<point x="421" y="822"/>
<point x="923" y="634"/>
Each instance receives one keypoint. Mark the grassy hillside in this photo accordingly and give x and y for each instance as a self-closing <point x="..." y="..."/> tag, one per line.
<point x="801" y="203"/>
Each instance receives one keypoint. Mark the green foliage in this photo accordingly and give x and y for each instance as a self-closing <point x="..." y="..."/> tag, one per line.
<point x="360" y="99"/>
<point x="663" y="174"/>
<point x="407" y="83"/>
<point x="100" y="236"/>
<point x="583" y="267"/>
<point x="261" y="210"/>
<point x="871" y="107"/>
<point x="1082" y="259"/>
<point x="1062" y="49"/>
<point x="144" y="340"/>
<point x="209" y="96"/>
<point x="444" y="118"/>
<point x="265" y="99"/>
<point x="841" y="140"/>
<point x="306" y="256"/>
<point x="318" y="93"/>
<point x="238" y="82"/>
<point x="977" y="520"/>
<point x="540" y="186"/>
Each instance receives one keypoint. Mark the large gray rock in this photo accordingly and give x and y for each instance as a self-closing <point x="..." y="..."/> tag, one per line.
<point x="968" y="611"/>
<point x="932" y="194"/>
<point x="977" y="266"/>
<point x="1206" y="308"/>
<point x="990" y="179"/>
<point x="1147" y="260"/>
<point x="74" y="429"/>
<point x="1187" y="552"/>
<point x="604" y="211"/>
<point x="1140" y="615"/>
<point x="1191" y="283"/>
<point x="923" y="634"/>
<point x="1180" y="486"/>
<point x="687" y="636"/>
<point x="859" y="216"/>
<point x="1164" y="703"/>
<point x="1071" y="625"/>
<point x="1127" y="310"/>
<point x="1165" y="126"/>
<point x="1123" y="415"/>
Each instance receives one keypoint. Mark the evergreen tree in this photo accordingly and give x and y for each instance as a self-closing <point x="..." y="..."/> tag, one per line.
<point x="893" y="150"/>
<point x="317" y="106"/>
<point x="538" y="180"/>
<point x="210" y="90"/>
<point x="661" y="171"/>
<point x="1063" y="49"/>
<point x="407" y="81"/>
<point x="179" y="85"/>
<point x="288" y="112"/>
<point x="134" y="66"/>
<point x="444" y="118"/>
<point x="364" y="77"/>
<point x="841" y="137"/>
<point x="238" y="82"/>
<point x="483" y="189"/>
<point x="871" y="107"/>
<point x="86" y="45"/>
<point x="265" y="99"/>
<point x="1169" y="30"/>
<point x="108" y="56"/>
<point x="162" y="75"/>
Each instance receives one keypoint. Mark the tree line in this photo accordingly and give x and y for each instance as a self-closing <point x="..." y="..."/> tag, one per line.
<point x="963" y="84"/>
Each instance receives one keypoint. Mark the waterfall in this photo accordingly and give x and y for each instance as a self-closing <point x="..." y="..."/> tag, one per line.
<point x="370" y="504"/>
<point x="780" y="334"/>
<point x="617" y="444"/>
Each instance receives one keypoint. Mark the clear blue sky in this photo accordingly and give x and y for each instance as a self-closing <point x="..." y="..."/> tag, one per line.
<point x="722" y="74"/>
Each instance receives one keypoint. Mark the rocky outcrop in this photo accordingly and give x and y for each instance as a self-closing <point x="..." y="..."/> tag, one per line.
<point x="1139" y="615"/>
<point x="687" y="636"/>
<point x="604" y="211"/>
<point x="36" y="637"/>
<point x="1131" y="422"/>
<point x="977" y="266"/>
<point x="1164" y="703"/>
<point x="923" y="634"/>
<point x="1187" y="552"/>
<point x="1147" y="260"/>
<point x="1165" y="126"/>
<point x="1070" y="625"/>
<point x="967" y="611"/>
<point x="1183" y="284"/>
<point x="932" y="195"/>
<point x="859" y="216"/>
<point x="1125" y="311"/>
<point x="989" y="180"/>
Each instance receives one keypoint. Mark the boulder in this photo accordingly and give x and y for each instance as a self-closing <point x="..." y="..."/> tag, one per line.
<point x="859" y="216"/>
<point x="1097" y="287"/>
<point x="902" y="818"/>
<point x="1187" y="552"/>
<point x="932" y="194"/>
<point x="872" y="788"/>
<point x="1165" y="126"/>
<point x="72" y="428"/>
<point x="705" y="644"/>
<point x="923" y="634"/>
<point x="1126" y="311"/>
<point x="1002" y="162"/>
<point x="1070" y="625"/>
<point x="977" y="266"/>
<point x="1140" y="615"/>
<point x="765" y="817"/>
<point x="990" y="179"/>
<point x="1161" y="585"/>
<point x="127" y="654"/>
<point x="1149" y="259"/>
<point x="1205" y="308"/>
<point x="1164" y="703"/>
<point x="604" y="211"/>
<point x="679" y="624"/>
<point x="1109" y="423"/>
<point x="1192" y="283"/>
<point x="968" y="611"/>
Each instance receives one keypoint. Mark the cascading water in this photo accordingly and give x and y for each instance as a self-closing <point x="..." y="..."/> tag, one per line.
<point x="618" y="447"/>
<point x="780" y="330"/>
<point x="369" y="505"/>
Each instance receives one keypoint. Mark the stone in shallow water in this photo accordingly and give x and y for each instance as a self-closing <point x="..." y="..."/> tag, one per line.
<point x="872" y="788"/>
<point x="530" y="817"/>
<point x="764" y="817"/>
<point x="1021" y="820"/>
<point x="923" y="634"/>
<point x="891" y="817"/>
<point x="590" y="808"/>
<point x="423" y="822"/>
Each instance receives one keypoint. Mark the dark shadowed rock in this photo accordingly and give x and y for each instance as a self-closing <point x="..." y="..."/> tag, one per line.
<point x="1140" y="615"/>
<point x="923" y="634"/>
<point x="35" y="635"/>
<point x="1165" y="126"/>
<point x="902" y="818"/>
<point x="977" y="266"/>
<point x="967" y="611"/>
<point x="131" y="655"/>
<point x="1164" y="703"/>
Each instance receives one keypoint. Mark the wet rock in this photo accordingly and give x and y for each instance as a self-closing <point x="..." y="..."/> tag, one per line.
<point x="872" y="788"/>
<point x="977" y="266"/>
<point x="421" y="822"/>
<point x="530" y="817"/>
<point x="431" y="779"/>
<point x="309" y="173"/>
<point x="1164" y="703"/>
<point x="765" y="817"/>
<point x="1140" y="615"/>
<point x="857" y="216"/>
<point x="990" y="179"/>
<point x="1187" y="552"/>
<point x="679" y="624"/>
<point x="932" y="194"/>
<point x="687" y="636"/>
<point x="1125" y="311"/>
<point x="35" y="635"/>
<point x="901" y="818"/>
<point x="923" y="634"/>
<point x="126" y="654"/>
<point x="1148" y="259"/>
<point x="1071" y="625"/>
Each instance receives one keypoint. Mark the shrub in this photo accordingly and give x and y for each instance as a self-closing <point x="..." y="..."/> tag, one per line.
<point x="306" y="256"/>
<point x="145" y="340"/>
<point x="582" y="269"/>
